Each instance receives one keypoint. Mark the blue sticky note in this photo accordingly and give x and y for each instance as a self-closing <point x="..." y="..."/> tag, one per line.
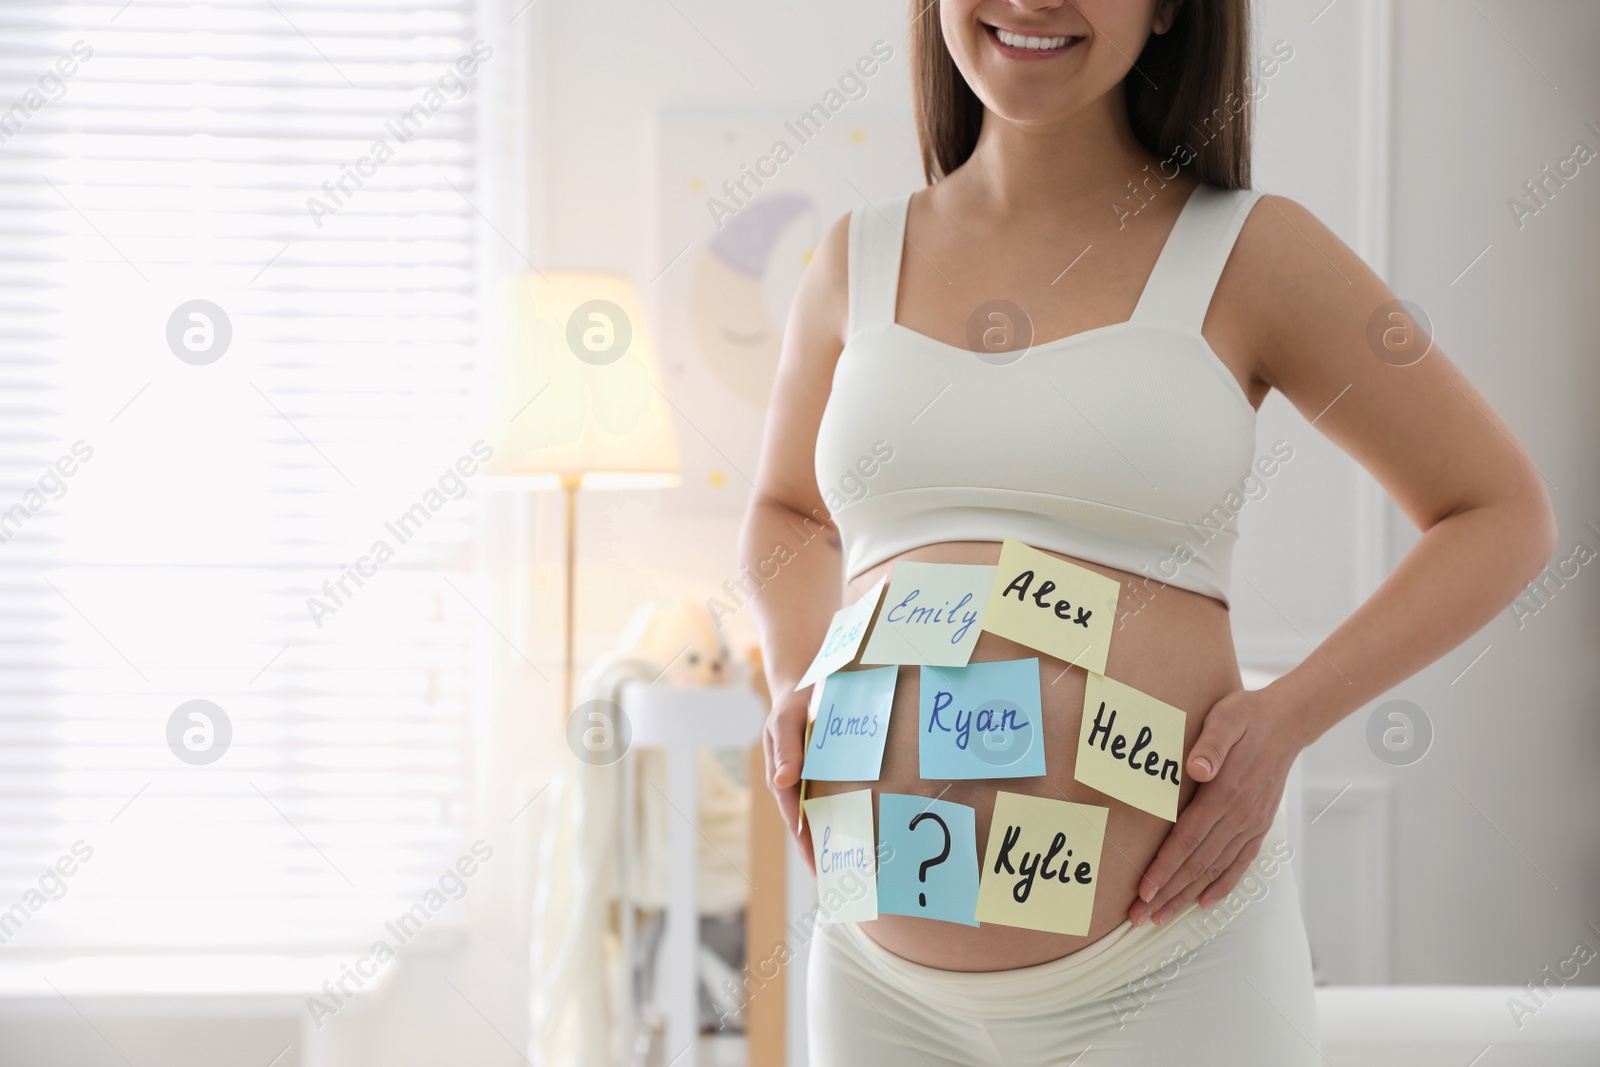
<point x="852" y="723"/>
<point x="981" y="721"/>
<point x="928" y="858"/>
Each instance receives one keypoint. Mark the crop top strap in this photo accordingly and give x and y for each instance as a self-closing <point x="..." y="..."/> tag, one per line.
<point x="1179" y="291"/>
<point x="877" y="239"/>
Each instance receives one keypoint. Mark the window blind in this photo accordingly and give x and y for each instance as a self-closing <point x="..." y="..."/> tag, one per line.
<point x="238" y="314"/>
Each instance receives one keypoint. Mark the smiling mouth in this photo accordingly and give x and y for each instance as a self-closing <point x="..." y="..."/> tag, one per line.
<point x="1029" y="46"/>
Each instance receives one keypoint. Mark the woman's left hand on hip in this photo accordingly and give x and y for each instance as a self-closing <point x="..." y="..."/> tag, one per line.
<point x="1242" y="760"/>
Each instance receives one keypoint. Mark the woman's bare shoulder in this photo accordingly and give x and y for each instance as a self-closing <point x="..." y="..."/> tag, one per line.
<point x="1295" y="292"/>
<point x="813" y="338"/>
<point x="821" y="310"/>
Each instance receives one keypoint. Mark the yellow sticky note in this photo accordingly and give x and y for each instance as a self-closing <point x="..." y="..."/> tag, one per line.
<point x="842" y="842"/>
<point x="1131" y="746"/>
<point x="1059" y="608"/>
<point x="1042" y="864"/>
<point x="930" y="614"/>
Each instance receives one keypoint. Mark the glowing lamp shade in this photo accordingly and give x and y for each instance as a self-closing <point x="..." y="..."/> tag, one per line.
<point x="575" y="398"/>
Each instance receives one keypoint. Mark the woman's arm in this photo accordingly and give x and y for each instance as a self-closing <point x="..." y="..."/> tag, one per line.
<point x="1447" y="461"/>
<point x="788" y="539"/>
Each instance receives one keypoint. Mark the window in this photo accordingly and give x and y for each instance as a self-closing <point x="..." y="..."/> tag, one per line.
<point x="243" y="257"/>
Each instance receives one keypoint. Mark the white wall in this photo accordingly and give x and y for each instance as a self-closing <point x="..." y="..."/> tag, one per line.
<point x="1508" y="790"/>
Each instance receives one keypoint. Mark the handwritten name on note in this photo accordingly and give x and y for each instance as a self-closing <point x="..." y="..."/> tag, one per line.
<point x="846" y="740"/>
<point x="931" y="614"/>
<point x="843" y="639"/>
<point x="1059" y="608"/>
<point x="981" y="721"/>
<point x="847" y="860"/>
<point x="1042" y="863"/>
<point x="1130" y="746"/>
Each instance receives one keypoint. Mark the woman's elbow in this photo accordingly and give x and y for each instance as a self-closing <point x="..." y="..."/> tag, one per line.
<point x="1536" y="526"/>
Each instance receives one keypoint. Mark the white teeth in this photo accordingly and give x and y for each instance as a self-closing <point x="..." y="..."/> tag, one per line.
<point x="1042" y="44"/>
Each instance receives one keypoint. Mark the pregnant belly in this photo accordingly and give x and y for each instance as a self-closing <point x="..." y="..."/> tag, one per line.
<point x="1170" y="643"/>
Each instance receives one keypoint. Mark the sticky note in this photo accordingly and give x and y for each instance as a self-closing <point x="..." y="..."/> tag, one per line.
<point x="1042" y="864"/>
<point x="932" y="613"/>
<point x="845" y="740"/>
<point x="1059" y="608"/>
<point x="981" y="721"/>
<point x="841" y="841"/>
<point x="929" y="856"/>
<point x="1131" y="746"/>
<point x="811" y="722"/>
<point x="844" y="636"/>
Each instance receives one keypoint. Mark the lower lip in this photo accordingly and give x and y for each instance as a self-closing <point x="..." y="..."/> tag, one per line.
<point x="1013" y="52"/>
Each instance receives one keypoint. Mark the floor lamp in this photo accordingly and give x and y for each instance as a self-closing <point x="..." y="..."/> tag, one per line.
<point x="577" y="403"/>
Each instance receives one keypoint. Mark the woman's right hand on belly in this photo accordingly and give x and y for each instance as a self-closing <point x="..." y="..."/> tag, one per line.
<point x="784" y="741"/>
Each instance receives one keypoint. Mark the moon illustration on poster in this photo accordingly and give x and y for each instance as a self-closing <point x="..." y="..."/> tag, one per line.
<point x="731" y="303"/>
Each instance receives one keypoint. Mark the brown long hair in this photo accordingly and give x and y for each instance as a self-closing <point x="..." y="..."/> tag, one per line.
<point x="1188" y="95"/>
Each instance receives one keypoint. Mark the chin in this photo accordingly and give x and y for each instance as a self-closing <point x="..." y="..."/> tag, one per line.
<point x="1020" y="107"/>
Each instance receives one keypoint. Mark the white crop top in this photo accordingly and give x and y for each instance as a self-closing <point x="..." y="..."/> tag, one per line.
<point x="1126" y="445"/>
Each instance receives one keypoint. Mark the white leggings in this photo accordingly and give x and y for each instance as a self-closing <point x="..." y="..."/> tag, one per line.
<point x="1226" y="985"/>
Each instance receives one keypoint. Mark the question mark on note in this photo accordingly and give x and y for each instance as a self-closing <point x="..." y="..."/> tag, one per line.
<point x="944" y="854"/>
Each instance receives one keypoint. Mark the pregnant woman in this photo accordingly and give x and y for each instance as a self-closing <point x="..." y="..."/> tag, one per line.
<point x="1003" y="355"/>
